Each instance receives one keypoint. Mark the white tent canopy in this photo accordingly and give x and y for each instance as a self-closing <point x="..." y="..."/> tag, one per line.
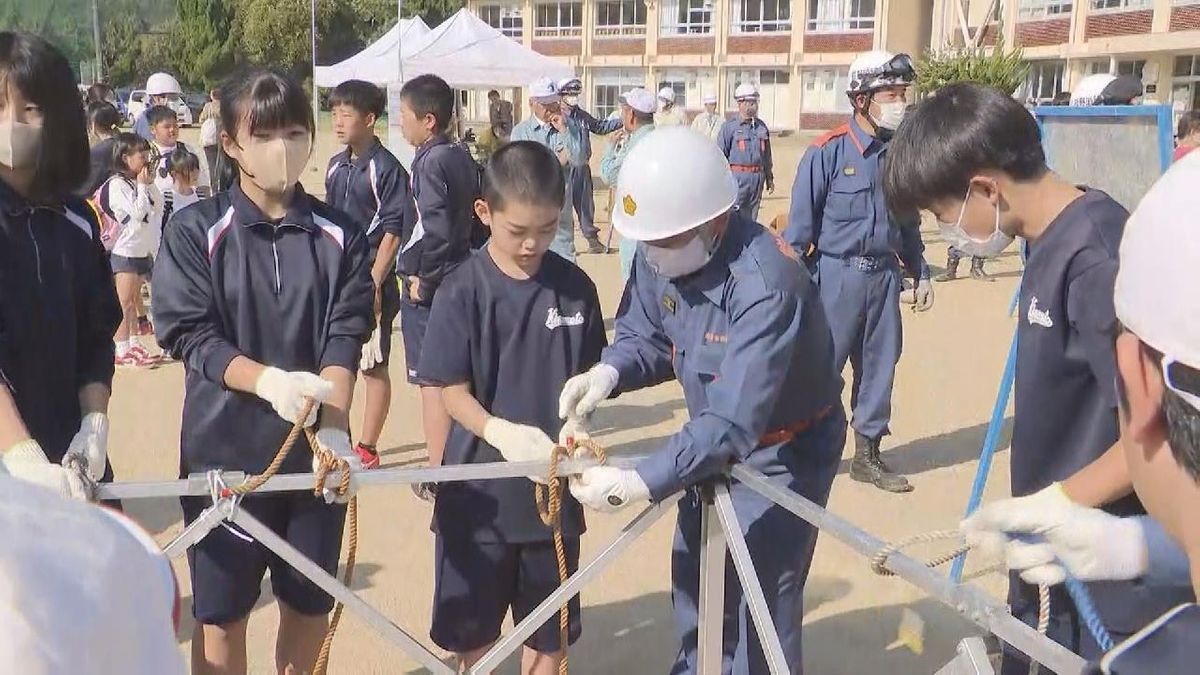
<point x="379" y="61"/>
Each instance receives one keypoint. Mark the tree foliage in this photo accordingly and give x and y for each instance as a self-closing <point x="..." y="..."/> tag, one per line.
<point x="995" y="66"/>
<point x="202" y="41"/>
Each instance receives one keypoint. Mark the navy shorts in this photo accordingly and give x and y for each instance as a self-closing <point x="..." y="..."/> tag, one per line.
<point x="389" y="308"/>
<point x="414" y="319"/>
<point x="140" y="266"/>
<point x="227" y="566"/>
<point x="478" y="582"/>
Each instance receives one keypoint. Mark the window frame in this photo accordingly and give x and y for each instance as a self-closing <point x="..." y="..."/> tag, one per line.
<point x="559" y="30"/>
<point x="1033" y="10"/>
<point x="614" y="81"/>
<point x="741" y="25"/>
<point x="1117" y="6"/>
<point x="848" y="22"/>
<point x="681" y="19"/>
<point x="1039" y="67"/>
<point x="825" y="83"/>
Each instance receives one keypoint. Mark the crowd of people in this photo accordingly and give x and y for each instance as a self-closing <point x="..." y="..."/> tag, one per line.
<point x="273" y="299"/>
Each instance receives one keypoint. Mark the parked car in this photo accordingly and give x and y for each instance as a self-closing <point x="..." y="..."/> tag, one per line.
<point x="137" y="103"/>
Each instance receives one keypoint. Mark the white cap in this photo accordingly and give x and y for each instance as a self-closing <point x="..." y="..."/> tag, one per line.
<point x="667" y="94"/>
<point x="710" y="98"/>
<point x="543" y="90"/>
<point x="159" y="84"/>
<point x="655" y="200"/>
<point x="640" y="100"/>
<point x="746" y="90"/>
<point x="84" y="589"/>
<point x="1155" y="295"/>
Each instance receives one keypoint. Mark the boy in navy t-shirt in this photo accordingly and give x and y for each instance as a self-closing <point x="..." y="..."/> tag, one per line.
<point x="987" y="182"/>
<point x="511" y="324"/>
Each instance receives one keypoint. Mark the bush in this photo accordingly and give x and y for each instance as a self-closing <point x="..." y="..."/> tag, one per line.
<point x="994" y="66"/>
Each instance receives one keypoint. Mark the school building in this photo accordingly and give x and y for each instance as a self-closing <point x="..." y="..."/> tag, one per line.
<point x="798" y="52"/>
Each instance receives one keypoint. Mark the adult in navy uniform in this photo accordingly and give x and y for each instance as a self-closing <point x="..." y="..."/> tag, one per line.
<point x="579" y="180"/>
<point x="973" y="156"/>
<point x="723" y="305"/>
<point x="265" y="294"/>
<point x="746" y="142"/>
<point x="1158" y="380"/>
<point x="842" y="223"/>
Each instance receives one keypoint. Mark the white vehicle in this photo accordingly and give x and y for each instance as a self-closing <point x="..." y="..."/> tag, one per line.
<point x="137" y="103"/>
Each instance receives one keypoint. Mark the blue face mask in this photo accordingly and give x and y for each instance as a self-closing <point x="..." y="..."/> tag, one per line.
<point x="956" y="236"/>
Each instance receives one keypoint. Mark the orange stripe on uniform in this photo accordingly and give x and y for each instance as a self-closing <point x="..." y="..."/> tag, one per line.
<point x="832" y="134"/>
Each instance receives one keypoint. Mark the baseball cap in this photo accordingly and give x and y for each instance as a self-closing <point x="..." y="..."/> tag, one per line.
<point x="667" y="94"/>
<point x="745" y="91"/>
<point x="1155" y="295"/>
<point x="640" y="100"/>
<point x="543" y="90"/>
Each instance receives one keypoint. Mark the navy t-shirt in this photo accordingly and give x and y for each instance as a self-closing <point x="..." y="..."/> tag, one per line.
<point x="516" y="342"/>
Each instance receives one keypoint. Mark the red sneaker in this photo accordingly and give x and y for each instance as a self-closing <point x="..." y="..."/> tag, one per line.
<point x="126" y="360"/>
<point x="142" y="357"/>
<point x="368" y="456"/>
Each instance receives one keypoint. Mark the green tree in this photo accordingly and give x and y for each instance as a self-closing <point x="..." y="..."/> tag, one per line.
<point x="67" y="24"/>
<point x="996" y="66"/>
<point x="202" y="41"/>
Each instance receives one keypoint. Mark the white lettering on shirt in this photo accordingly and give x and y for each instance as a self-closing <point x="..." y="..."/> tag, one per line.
<point x="556" y="320"/>
<point x="1039" y="317"/>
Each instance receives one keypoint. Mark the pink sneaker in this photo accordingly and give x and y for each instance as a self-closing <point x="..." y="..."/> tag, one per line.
<point x="142" y="357"/>
<point x="127" y="360"/>
<point x="368" y="456"/>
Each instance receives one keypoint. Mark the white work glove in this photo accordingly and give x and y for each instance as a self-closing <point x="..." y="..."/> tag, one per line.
<point x="1091" y="544"/>
<point x="923" y="295"/>
<point x="608" y="489"/>
<point x="518" y="442"/>
<point x="574" y="429"/>
<point x="27" y="462"/>
<point x="372" y="352"/>
<point x="337" y="441"/>
<point x="90" y="445"/>
<point x="582" y="393"/>
<point x="286" y="392"/>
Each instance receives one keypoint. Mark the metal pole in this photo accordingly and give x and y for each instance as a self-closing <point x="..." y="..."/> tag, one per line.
<point x="314" y="573"/>
<point x="316" y="102"/>
<point x="744" y="564"/>
<point x="99" y="69"/>
<point x="971" y="602"/>
<point x="534" y="620"/>
<point x="199" y="529"/>
<point x="399" y="41"/>
<point x="710" y="617"/>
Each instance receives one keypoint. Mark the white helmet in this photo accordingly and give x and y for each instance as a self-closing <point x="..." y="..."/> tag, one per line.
<point x="667" y="94"/>
<point x="655" y="200"/>
<point x="878" y="69"/>
<point x="160" y="84"/>
<point x="746" y="90"/>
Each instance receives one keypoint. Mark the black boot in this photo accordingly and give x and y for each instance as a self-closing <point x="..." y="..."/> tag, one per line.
<point x="951" y="272"/>
<point x="595" y="247"/>
<point x="868" y="467"/>
<point x="977" y="272"/>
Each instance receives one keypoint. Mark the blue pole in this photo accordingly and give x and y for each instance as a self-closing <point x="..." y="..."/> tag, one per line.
<point x="990" y="441"/>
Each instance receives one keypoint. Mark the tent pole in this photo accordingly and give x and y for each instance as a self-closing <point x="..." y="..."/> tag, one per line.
<point x="316" y="102"/>
<point x="399" y="38"/>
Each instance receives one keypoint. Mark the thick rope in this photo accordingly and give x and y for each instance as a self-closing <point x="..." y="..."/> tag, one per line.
<point x="328" y="462"/>
<point x="550" y="510"/>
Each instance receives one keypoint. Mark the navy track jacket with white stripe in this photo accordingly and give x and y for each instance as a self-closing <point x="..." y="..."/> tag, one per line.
<point x="294" y="294"/>
<point x="373" y="189"/>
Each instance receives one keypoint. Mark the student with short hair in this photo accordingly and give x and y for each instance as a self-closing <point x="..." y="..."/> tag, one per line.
<point x="184" y="168"/>
<point x="511" y="324"/>
<point x="973" y="156"/>
<point x="164" y="140"/>
<point x="57" y="304"/>
<point x="445" y="185"/>
<point x="264" y="293"/>
<point x="369" y="184"/>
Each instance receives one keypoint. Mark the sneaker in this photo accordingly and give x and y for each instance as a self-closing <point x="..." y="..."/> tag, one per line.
<point x="367" y="456"/>
<point x="143" y="357"/>
<point x="126" y="360"/>
<point x="595" y="247"/>
<point x="144" y="327"/>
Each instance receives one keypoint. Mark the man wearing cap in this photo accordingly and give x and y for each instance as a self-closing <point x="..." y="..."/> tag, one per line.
<point x="580" y="180"/>
<point x="746" y="142"/>
<point x="841" y="223"/>
<point x="723" y="305"/>
<point x="1158" y="396"/>
<point x="549" y="126"/>
<point x="669" y="114"/>
<point x="709" y="122"/>
<point x="637" y="117"/>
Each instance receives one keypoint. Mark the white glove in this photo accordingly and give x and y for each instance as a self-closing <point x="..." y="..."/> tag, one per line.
<point x="90" y="445"/>
<point x="337" y="441"/>
<point x="582" y="393"/>
<point x="286" y="393"/>
<point x="518" y="442"/>
<point x="1092" y="544"/>
<point x="608" y="489"/>
<point x="372" y="352"/>
<point x="923" y="295"/>
<point x="26" y="461"/>
<point x="574" y="429"/>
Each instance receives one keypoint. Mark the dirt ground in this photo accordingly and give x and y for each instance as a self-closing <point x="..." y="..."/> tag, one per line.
<point x="945" y="388"/>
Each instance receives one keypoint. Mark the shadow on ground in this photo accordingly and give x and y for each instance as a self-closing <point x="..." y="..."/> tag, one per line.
<point x="943" y="450"/>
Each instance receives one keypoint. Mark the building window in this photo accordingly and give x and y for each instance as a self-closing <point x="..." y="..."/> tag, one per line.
<point x="620" y="17"/>
<point x="558" y="19"/>
<point x="1119" y="5"/>
<point x="1133" y="68"/>
<point x="1187" y="65"/>
<point x="762" y="16"/>
<point x="825" y="90"/>
<point x="1044" y="81"/>
<point x="686" y="17"/>
<point x="776" y="100"/>
<point x="505" y="19"/>
<point x="840" y="16"/>
<point x="607" y="86"/>
<point x="1043" y="9"/>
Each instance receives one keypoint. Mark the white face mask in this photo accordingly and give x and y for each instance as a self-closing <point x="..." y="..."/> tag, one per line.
<point x="956" y="236"/>
<point x="891" y="115"/>
<point x="275" y="165"/>
<point x="19" y="145"/>
<point x="571" y="101"/>
<point x="674" y="263"/>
